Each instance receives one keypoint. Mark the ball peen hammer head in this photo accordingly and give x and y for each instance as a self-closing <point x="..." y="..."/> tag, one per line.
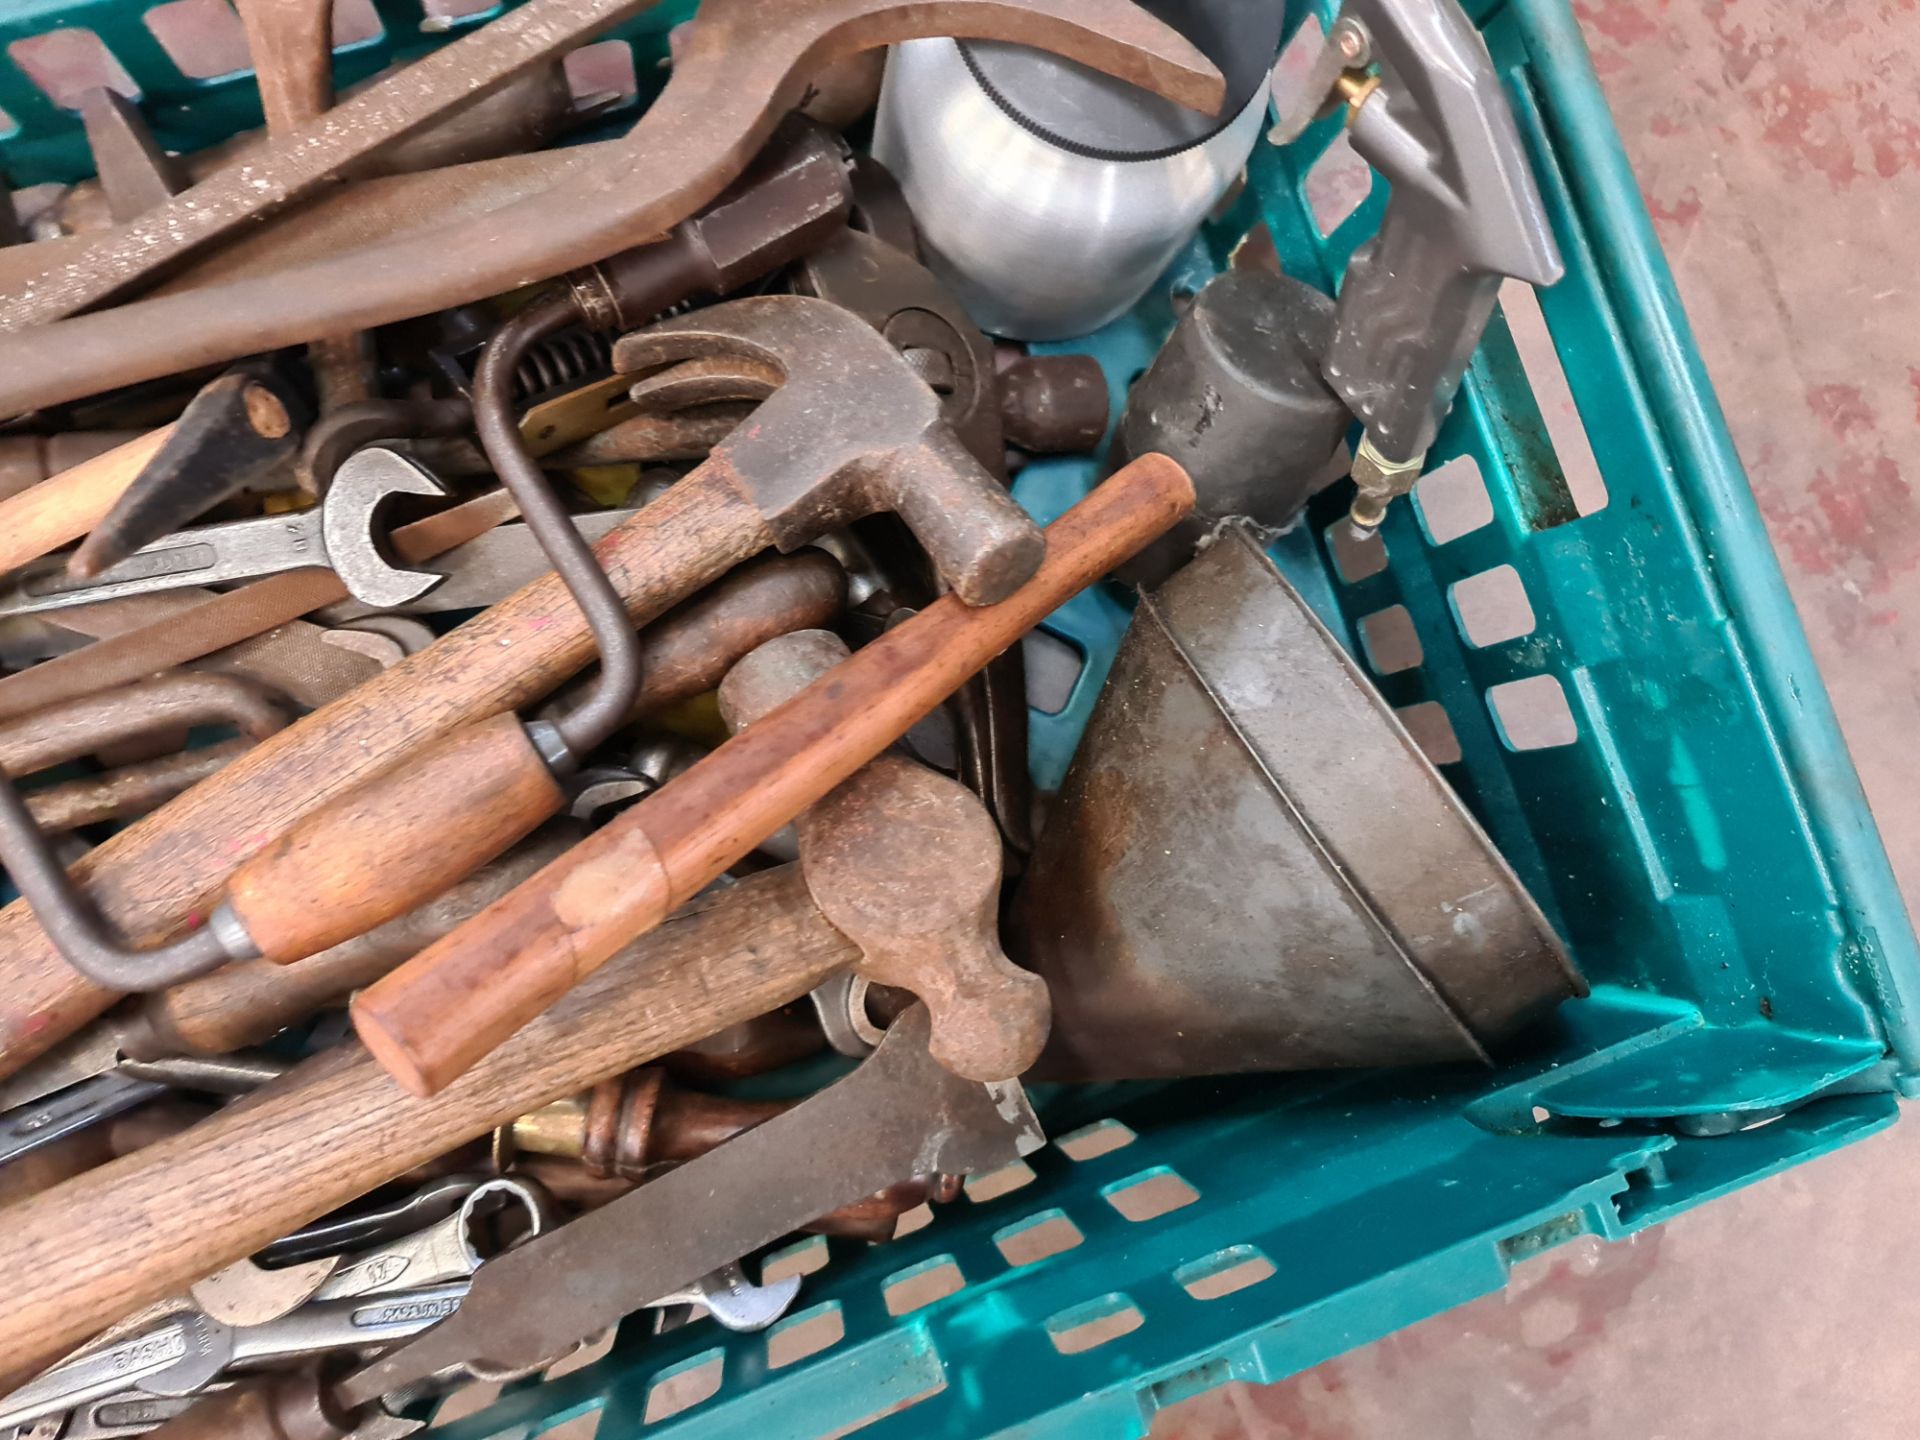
<point x="906" y="863"/>
<point x="851" y="430"/>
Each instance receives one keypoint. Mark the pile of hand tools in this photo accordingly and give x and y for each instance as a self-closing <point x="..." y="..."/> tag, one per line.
<point x="508" y="634"/>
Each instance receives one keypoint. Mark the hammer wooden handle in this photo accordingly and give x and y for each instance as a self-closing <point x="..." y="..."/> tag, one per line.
<point x="156" y="875"/>
<point x="396" y="841"/>
<point x="242" y="1005"/>
<point x="66" y="506"/>
<point x="96" y="1247"/>
<point x="402" y="837"/>
<point x="438" y="1014"/>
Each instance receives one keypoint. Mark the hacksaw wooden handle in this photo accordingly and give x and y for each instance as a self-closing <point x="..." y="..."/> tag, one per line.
<point x="99" y="1246"/>
<point x="395" y="841"/>
<point x="66" y="506"/>
<point x="435" y="1016"/>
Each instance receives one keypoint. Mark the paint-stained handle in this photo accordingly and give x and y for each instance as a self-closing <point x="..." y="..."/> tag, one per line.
<point x="395" y="841"/>
<point x="438" y="1014"/>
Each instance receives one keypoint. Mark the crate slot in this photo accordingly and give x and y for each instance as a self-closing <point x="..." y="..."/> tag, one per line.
<point x="203" y="38"/>
<point x="579" y="1427"/>
<point x="1038" y="1236"/>
<point x="992" y="1184"/>
<point x="1225" y="1272"/>
<point x="683" y="1386"/>
<point x="1540" y="358"/>
<point x="1429" y="727"/>
<point x="1492" y="606"/>
<point x="1451" y="500"/>
<point x="917" y="1218"/>
<point x="1337" y="185"/>
<point x="1053" y="668"/>
<point x="920" y="1285"/>
<point x="1150" y="1195"/>
<point x="602" y="68"/>
<point x="1391" y="643"/>
<point x="442" y="11"/>
<point x="1090" y="1142"/>
<point x="355" y="22"/>
<point x="65" y="64"/>
<point x="803" y="1257"/>
<point x="467" y="1400"/>
<point x="808" y="1333"/>
<point x="1532" y="714"/>
<point x="1338" y="181"/>
<point x="593" y="1350"/>
<point x="1295" y="64"/>
<point x="1356" y="557"/>
<point x="1086" y="1327"/>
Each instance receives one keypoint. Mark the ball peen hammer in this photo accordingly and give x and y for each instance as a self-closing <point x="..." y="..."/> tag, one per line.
<point x="880" y="858"/>
<point x="449" y="1006"/>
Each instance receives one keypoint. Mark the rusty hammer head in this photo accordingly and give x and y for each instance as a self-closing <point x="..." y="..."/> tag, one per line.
<point x="906" y="863"/>
<point x="852" y="430"/>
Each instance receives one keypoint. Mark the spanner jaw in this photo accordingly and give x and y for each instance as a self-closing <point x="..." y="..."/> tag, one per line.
<point x="353" y="543"/>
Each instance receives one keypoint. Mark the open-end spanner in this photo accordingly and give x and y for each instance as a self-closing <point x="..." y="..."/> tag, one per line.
<point x="366" y="1226"/>
<point x="112" y="1418"/>
<point x="191" y="1349"/>
<point x="339" y="534"/>
<point x="733" y="1300"/>
<point x="25" y="1128"/>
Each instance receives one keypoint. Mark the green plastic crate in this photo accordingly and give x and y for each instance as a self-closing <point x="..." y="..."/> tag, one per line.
<point x="1701" y="842"/>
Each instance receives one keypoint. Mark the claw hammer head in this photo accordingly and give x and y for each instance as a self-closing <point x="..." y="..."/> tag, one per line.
<point x="355" y="545"/>
<point x="852" y="430"/>
<point x="905" y="862"/>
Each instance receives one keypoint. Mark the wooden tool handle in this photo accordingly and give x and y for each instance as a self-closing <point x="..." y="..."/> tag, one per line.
<point x="66" y="506"/>
<point x="443" y="812"/>
<point x="98" y="1246"/>
<point x="242" y="1005"/>
<point x="439" y="1013"/>
<point x="159" y="873"/>
<point x="395" y="841"/>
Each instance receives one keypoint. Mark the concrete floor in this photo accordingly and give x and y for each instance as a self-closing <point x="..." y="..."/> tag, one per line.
<point x="1778" y="145"/>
